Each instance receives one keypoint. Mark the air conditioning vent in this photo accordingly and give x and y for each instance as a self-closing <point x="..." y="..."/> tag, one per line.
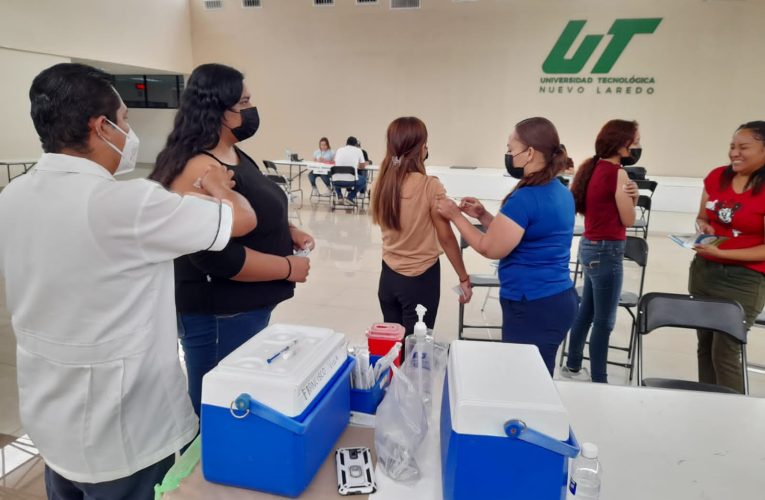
<point x="249" y="4"/>
<point x="213" y="4"/>
<point x="404" y="4"/>
<point x="321" y="3"/>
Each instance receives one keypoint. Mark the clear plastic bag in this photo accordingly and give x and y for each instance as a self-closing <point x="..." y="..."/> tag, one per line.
<point x="401" y="425"/>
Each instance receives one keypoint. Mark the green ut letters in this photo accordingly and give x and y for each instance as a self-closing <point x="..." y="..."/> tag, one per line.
<point x="622" y="30"/>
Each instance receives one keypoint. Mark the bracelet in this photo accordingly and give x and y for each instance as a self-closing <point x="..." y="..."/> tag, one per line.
<point x="290" y="268"/>
<point x="466" y="279"/>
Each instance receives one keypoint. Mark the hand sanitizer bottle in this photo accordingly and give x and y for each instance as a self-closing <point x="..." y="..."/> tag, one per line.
<point x="419" y="353"/>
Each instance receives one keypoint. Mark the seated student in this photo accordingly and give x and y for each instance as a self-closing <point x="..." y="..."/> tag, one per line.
<point x="350" y="155"/>
<point x="324" y="155"/>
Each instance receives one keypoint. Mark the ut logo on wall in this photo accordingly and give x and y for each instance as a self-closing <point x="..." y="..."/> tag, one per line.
<point x="622" y="31"/>
<point x="562" y="74"/>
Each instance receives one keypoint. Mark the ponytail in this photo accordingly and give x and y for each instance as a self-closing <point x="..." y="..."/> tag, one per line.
<point x="582" y="181"/>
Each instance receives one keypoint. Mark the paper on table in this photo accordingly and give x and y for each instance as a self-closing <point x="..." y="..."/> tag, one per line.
<point x="691" y="240"/>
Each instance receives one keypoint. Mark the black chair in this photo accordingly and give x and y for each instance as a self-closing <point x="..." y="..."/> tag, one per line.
<point x="487" y="281"/>
<point x="759" y="321"/>
<point x="646" y="185"/>
<point x="635" y="251"/>
<point x="272" y="172"/>
<point x="643" y="215"/>
<point x="658" y="310"/>
<point x="334" y="173"/>
<point x="636" y="173"/>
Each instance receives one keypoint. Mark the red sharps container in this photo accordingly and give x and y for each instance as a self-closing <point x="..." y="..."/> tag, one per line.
<point x="382" y="336"/>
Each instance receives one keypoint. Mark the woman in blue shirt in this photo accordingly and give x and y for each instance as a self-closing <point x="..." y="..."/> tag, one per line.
<point x="531" y="236"/>
<point x="324" y="155"/>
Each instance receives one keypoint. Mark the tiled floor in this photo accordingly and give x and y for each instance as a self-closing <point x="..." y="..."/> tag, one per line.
<point x="341" y="294"/>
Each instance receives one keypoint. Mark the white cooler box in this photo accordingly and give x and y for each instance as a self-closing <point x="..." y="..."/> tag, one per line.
<point x="273" y="409"/>
<point x="504" y="431"/>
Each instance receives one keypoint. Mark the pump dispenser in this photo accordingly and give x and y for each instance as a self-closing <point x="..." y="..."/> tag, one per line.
<point x="419" y="355"/>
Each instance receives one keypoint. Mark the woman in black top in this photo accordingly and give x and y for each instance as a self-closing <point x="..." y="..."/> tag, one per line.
<point x="224" y="298"/>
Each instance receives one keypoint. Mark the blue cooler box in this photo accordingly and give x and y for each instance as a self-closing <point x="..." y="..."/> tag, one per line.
<point x="273" y="410"/>
<point x="504" y="430"/>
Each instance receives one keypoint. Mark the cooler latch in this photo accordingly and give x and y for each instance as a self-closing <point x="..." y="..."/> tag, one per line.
<point x="240" y="407"/>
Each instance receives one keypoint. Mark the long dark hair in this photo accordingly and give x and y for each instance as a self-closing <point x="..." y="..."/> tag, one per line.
<point x="614" y="135"/>
<point x="210" y="91"/>
<point x="540" y="134"/>
<point x="406" y="136"/>
<point x="757" y="179"/>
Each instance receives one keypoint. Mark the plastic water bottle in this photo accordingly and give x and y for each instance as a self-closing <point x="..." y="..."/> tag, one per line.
<point x="287" y="155"/>
<point x="585" y="475"/>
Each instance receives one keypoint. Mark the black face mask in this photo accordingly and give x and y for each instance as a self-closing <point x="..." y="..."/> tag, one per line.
<point x="426" y="155"/>
<point x="250" y="124"/>
<point x="515" y="172"/>
<point x="633" y="158"/>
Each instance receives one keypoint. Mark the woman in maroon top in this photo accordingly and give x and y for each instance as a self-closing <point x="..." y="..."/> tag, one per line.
<point x="606" y="197"/>
<point x="732" y="206"/>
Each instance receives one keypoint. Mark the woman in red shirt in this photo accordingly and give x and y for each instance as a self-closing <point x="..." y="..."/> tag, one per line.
<point x="606" y="197"/>
<point x="732" y="206"/>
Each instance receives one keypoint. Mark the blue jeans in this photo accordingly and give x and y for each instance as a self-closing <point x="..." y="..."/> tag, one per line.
<point x="542" y="322"/>
<point x="312" y="179"/>
<point x="353" y="187"/>
<point x="602" y="262"/>
<point x="208" y="338"/>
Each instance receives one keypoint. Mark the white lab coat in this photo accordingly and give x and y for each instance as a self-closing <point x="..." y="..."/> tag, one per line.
<point x="88" y="265"/>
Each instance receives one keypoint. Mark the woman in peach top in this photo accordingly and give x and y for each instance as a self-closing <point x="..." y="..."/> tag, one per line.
<point x="414" y="234"/>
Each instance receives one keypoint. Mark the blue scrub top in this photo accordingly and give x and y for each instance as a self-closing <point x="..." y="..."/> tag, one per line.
<point x="539" y="266"/>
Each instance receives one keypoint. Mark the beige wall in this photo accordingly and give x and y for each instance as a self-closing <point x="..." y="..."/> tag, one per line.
<point x="471" y="70"/>
<point x="18" y="139"/>
<point x="146" y="33"/>
<point x="35" y="34"/>
<point x="152" y="127"/>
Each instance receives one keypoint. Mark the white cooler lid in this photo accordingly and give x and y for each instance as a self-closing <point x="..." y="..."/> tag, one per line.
<point x="283" y="367"/>
<point x="491" y="383"/>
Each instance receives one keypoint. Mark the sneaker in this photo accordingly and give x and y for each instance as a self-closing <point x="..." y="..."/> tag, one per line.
<point x="314" y="191"/>
<point x="350" y="203"/>
<point x="583" y="374"/>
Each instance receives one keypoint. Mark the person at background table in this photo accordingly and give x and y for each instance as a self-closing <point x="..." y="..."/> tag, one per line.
<point x="224" y="298"/>
<point x="88" y="275"/>
<point x="413" y="233"/>
<point x="732" y="206"/>
<point x="531" y="235"/>
<point x="363" y="173"/>
<point x="605" y="195"/>
<point x="323" y="155"/>
<point x="350" y="155"/>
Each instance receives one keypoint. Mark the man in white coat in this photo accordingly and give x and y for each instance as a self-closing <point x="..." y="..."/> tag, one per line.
<point x="88" y="266"/>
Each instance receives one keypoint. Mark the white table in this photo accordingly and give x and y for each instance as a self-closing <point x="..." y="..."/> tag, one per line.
<point x="654" y="444"/>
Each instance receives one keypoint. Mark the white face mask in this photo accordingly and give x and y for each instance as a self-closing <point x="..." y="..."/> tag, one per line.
<point x="129" y="153"/>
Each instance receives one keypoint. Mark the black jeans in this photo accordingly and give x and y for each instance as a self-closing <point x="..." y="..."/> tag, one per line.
<point x="399" y="295"/>
<point x="138" y="486"/>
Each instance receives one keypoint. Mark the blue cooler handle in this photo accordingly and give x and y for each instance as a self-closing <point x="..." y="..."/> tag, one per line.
<point x="245" y="405"/>
<point x="517" y="429"/>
